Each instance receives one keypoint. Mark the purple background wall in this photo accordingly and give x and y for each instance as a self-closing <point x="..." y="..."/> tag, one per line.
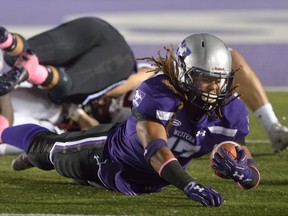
<point x="257" y="28"/>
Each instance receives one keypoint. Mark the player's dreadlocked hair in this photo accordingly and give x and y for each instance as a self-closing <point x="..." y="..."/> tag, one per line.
<point x="169" y="66"/>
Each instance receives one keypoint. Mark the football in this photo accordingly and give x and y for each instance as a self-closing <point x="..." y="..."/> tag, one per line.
<point x="230" y="148"/>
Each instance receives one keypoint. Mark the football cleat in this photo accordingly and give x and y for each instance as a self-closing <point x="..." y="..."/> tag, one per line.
<point x="12" y="79"/>
<point x="278" y="136"/>
<point x="21" y="162"/>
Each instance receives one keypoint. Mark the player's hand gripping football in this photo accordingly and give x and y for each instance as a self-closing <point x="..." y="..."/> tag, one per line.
<point x="237" y="169"/>
<point x="206" y="196"/>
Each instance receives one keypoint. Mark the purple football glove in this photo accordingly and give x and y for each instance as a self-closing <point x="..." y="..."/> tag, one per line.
<point x="238" y="169"/>
<point x="206" y="196"/>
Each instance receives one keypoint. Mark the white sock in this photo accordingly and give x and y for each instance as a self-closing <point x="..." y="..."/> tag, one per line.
<point x="6" y="149"/>
<point x="266" y="116"/>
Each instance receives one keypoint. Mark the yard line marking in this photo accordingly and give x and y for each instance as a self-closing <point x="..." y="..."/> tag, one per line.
<point x="257" y="141"/>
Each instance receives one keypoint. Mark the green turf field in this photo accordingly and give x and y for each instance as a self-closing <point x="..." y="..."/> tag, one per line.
<point x="36" y="191"/>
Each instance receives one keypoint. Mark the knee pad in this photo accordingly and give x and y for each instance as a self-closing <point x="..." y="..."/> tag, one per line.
<point x="67" y="165"/>
<point x="79" y="164"/>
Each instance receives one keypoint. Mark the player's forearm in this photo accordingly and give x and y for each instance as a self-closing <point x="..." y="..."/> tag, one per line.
<point x="173" y="173"/>
<point x="157" y="153"/>
<point x="168" y="167"/>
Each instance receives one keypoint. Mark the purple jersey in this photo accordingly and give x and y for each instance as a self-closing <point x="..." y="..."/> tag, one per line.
<point x="187" y="139"/>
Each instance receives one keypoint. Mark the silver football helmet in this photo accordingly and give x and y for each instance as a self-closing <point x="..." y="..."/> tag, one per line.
<point x="204" y="56"/>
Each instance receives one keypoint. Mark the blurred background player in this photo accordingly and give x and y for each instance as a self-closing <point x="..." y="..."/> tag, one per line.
<point x="254" y="96"/>
<point x="75" y="60"/>
<point x="29" y="105"/>
<point x="77" y="65"/>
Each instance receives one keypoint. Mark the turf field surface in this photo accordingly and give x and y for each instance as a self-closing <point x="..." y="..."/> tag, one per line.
<point x="45" y="192"/>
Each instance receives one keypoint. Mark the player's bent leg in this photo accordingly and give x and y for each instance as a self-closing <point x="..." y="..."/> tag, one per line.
<point x="27" y="67"/>
<point x="79" y="161"/>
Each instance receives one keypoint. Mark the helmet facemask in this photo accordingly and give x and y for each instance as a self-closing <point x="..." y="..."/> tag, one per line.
<point x="205" y="73"/>
<point x="208" y="101"/>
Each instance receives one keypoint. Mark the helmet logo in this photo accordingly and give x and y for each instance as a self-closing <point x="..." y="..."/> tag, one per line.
<point x="183" y="50"/>
<point x="215" y="69"/>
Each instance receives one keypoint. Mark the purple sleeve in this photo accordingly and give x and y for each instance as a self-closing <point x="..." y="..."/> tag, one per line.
<point x="243" y="129"/>
<point x="21" y="135"/>
<point x="242" y="120"/>
<point x="238" y="118"/>
<point x="154" y="100"/>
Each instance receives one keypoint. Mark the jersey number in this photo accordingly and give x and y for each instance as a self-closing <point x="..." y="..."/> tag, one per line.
<point x="182" y="148"/>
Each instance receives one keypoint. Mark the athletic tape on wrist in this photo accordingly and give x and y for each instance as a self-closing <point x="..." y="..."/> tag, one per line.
<point x="152" y="147"/>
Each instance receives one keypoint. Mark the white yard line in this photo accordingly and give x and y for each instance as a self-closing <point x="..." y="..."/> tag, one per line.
<point x="4" y="214"/>
<point x="257" y="141"/>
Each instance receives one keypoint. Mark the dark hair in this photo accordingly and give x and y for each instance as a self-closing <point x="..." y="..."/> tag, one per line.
<point x="169" y="66"/>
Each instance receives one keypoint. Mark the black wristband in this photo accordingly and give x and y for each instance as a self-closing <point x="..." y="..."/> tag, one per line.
<point x="174" y="173"/>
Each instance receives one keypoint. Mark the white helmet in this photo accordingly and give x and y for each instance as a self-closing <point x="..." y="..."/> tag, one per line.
<point x="204" y="55"/>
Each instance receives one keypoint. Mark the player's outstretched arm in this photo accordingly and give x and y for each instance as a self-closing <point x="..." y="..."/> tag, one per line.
<point x="157" y="153"/>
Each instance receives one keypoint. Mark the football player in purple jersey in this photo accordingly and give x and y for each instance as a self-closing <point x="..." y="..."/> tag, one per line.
<point x="65" y="61"/>
<point x="178" y="115"/>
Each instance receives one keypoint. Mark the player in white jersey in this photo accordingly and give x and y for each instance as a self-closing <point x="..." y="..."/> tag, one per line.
<point x="31" y="105"/>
